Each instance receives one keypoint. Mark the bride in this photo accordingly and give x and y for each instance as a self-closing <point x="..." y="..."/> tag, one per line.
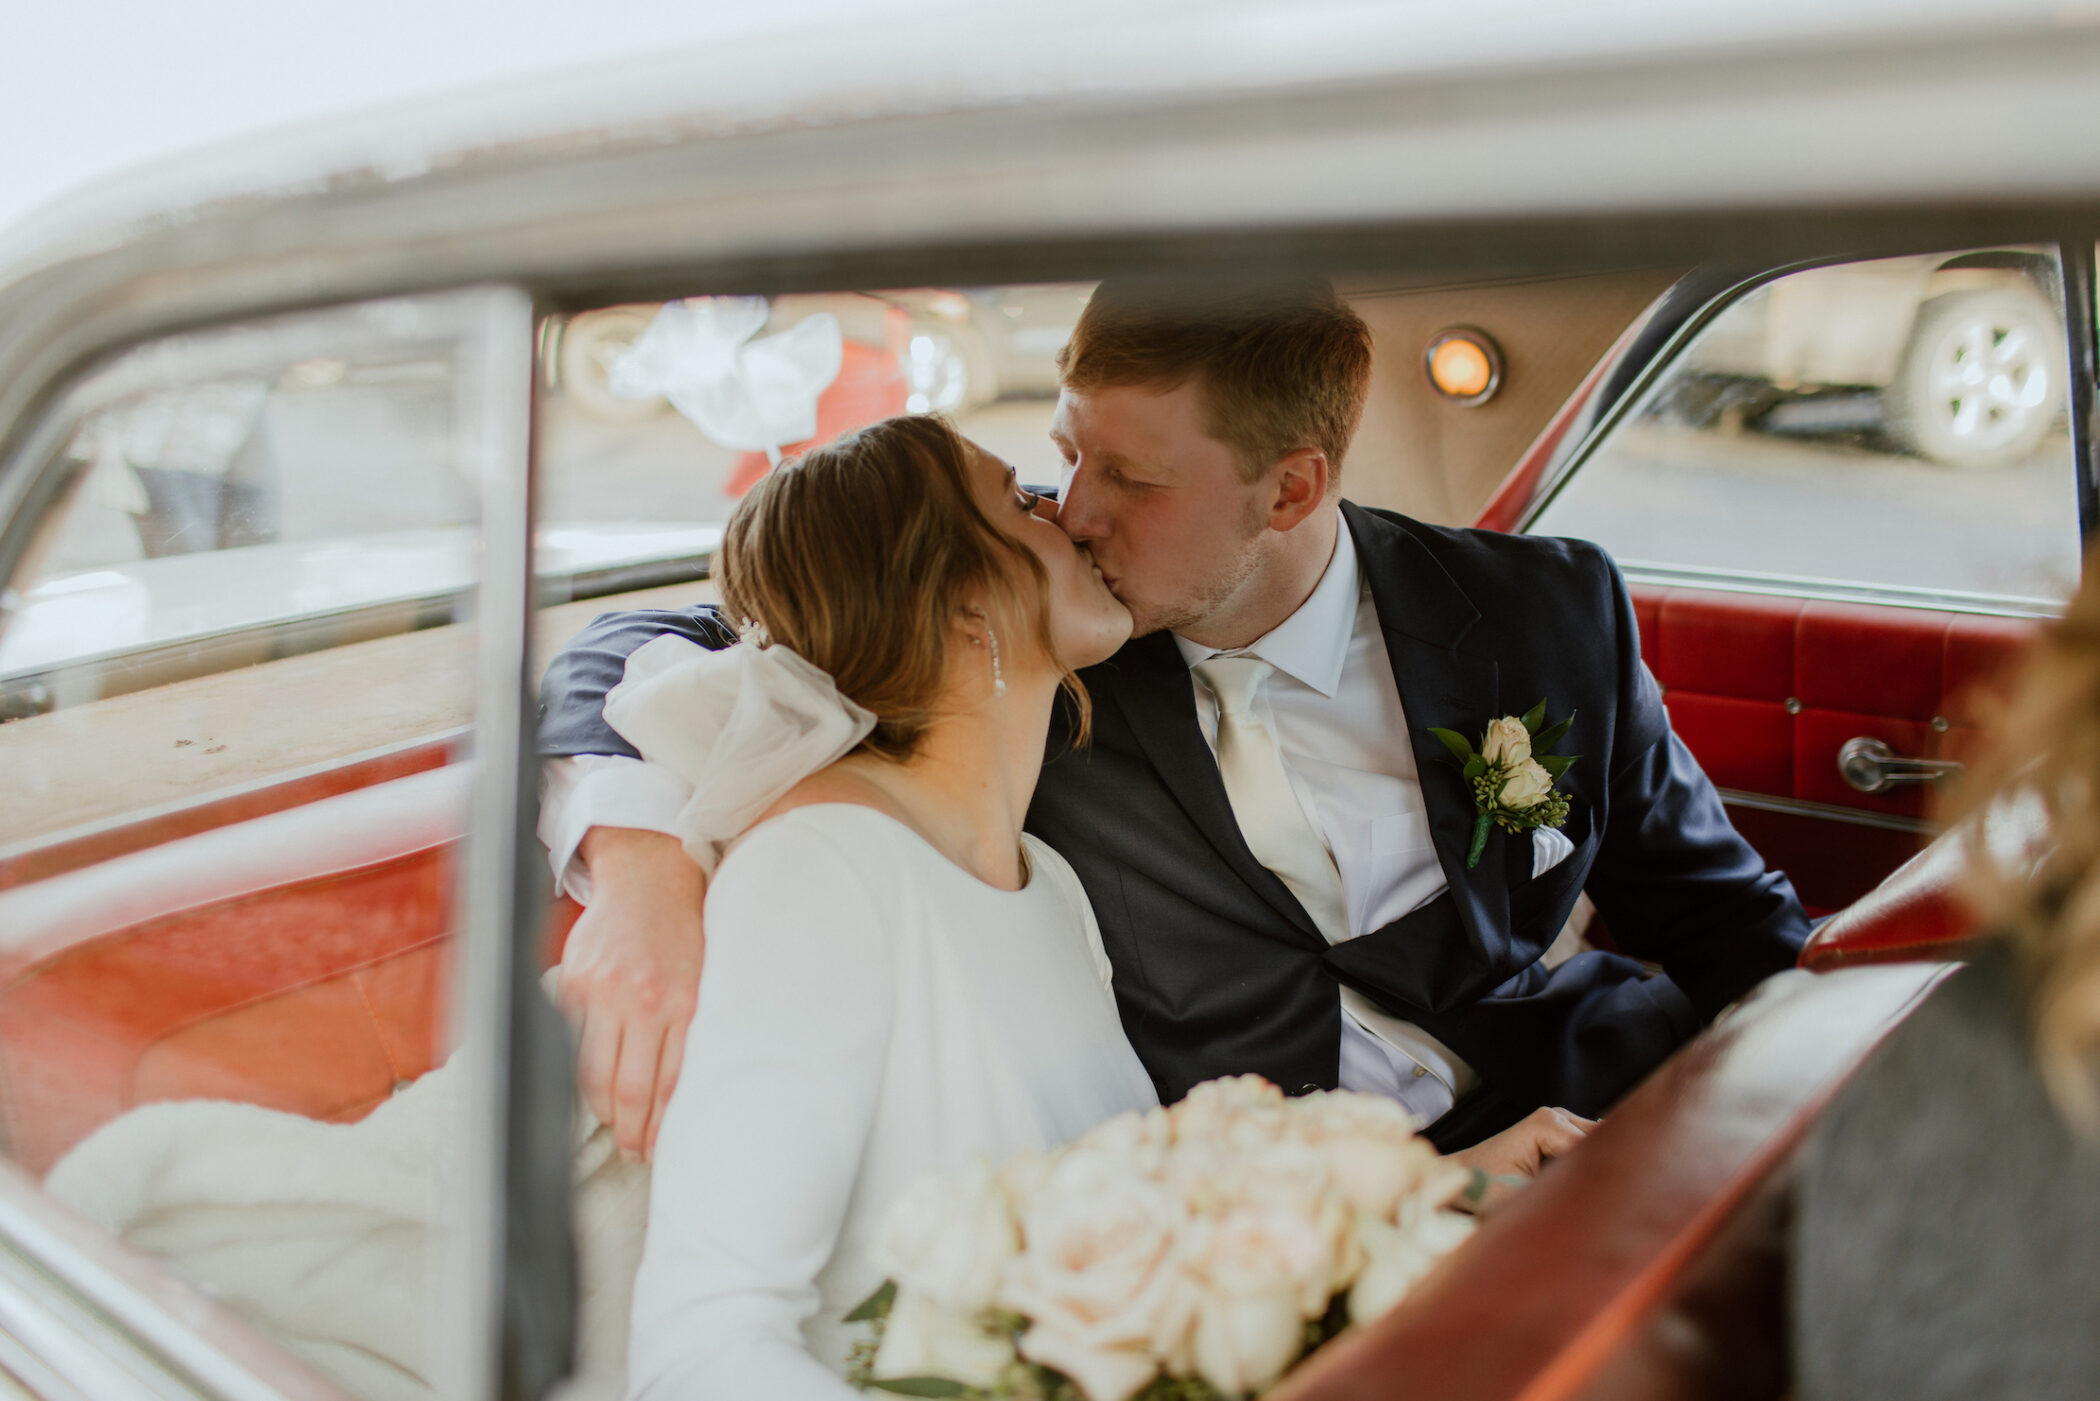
<point x="899" y="979"/>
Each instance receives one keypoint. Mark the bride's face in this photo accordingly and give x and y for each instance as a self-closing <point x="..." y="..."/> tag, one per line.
<point x="1087" y="625"/>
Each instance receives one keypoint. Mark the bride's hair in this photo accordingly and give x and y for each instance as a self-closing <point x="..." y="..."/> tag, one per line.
<point x="2045" y="749"/>
<point x="860" y="554"/>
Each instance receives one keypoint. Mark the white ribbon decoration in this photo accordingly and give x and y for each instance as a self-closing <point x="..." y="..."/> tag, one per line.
<point x="742" y="725"/>
<point x="749" y="395"/>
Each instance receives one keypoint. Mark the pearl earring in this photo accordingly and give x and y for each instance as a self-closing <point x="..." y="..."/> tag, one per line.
<point x="998" y="680"/>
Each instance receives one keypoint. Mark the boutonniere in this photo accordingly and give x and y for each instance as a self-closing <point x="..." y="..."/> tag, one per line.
<point x="1512" y="776"/>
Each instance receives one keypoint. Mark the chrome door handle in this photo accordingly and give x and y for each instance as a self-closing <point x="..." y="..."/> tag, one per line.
<point x="1870" y="766"/>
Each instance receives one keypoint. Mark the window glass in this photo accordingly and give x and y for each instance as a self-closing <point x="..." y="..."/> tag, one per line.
<point x="1894" y="428"/>
<point x="238" y="674"/>
<point x="658" y="418"/>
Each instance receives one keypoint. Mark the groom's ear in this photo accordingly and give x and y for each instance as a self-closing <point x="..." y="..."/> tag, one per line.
<point x="1299" y="484"/>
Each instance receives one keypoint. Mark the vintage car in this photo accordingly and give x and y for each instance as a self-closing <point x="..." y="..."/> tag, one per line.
<point x="287" y="862"/>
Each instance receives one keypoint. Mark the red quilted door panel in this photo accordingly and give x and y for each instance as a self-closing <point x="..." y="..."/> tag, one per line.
<point x="1766" y="690"/>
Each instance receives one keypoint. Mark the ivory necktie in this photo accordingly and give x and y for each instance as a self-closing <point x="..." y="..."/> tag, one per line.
<point x="1275" y="826"/>
<point x="1282" y="837"/>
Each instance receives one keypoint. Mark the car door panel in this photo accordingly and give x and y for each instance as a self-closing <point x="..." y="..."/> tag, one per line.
<point x="1766" y="690"/>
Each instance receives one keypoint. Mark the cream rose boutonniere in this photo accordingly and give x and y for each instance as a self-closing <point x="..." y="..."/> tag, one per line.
<point x="1512" y="775"/>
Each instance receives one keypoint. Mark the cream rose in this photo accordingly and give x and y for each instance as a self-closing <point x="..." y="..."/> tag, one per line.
<point x="1395" y="1257"/>
<point x="1259" y="1271"/>
<point x="1141" y="1139"/>
<point x="1369" y="1146"/>
<point x="922" y="1339"/>
<point x="1508" y="742"/>
<point x="1291" y="1181"/>
<point x="1238" y="1112"/>
<point x="949" y="1239"/>
<point x="1100" y="1276"/>
<point x="1527" y="787"/>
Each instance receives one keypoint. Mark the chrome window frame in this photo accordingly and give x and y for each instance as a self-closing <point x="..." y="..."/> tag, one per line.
<point x="107" y="1314"/>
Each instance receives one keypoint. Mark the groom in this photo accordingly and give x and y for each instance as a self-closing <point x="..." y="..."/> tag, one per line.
<point x="1275" y="845"/>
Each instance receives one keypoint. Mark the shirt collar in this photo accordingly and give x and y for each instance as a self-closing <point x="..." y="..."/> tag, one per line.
<point x="1312" y="645"/>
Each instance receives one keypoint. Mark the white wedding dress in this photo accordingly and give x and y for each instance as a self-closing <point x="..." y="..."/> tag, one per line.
<point x="869" y="1011"/>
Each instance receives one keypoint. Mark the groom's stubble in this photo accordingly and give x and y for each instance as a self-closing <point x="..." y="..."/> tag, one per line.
<point x="1239" y="558"/>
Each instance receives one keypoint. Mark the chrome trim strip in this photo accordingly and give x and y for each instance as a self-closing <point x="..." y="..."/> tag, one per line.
<point x="1838" y="590"/>
<point x="499" y="420"/>
<point x="1829" y="812"/>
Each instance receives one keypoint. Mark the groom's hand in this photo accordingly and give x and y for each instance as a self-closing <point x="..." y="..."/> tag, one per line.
<point x="1520" y="1150"/>
<point x="630" y="978"/>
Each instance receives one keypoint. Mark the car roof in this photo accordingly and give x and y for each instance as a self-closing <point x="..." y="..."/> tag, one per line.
<point x="957" y="58"/>
<point x="1017" y="135"/>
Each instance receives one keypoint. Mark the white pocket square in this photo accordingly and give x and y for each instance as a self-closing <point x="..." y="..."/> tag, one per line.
<point x="1549" y="847"/>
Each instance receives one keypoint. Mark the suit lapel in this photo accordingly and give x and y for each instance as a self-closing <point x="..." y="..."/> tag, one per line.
<point x="1425" y="617"/>
<point x="1151" y="685"/>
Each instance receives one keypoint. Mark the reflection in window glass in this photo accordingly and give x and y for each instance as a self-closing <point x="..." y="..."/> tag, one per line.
<point x="668" y="414"/>
<point x="237" y="696"/>
<point x="1899" y="424"/>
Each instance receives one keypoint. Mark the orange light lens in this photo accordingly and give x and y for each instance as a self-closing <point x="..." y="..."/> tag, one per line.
<point x="1460" y="368"/>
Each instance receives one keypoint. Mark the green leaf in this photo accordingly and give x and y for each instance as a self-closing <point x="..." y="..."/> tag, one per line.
<point x="875" y="1306"/>
<point x="1535" y="717"/>
<point x="1551" y="735"/>
<point x="1557" y="764"/>
<point x="919" y="1386"/>
<point x="1461" y="748"/>
<point x="1475" y="767"/>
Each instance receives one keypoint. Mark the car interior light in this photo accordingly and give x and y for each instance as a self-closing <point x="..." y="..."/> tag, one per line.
<point x="1464" y="365"/>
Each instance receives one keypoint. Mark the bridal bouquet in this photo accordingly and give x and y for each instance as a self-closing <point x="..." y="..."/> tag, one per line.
<point x="1185" y="1254"/>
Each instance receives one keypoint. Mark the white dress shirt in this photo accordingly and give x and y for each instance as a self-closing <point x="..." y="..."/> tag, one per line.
<point x="1335" y="711"/>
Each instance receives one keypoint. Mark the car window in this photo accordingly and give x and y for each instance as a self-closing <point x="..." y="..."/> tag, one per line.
<point x="1891" y="429"/>
<point x="239" y="669"/>
<point x="667" y="413"/>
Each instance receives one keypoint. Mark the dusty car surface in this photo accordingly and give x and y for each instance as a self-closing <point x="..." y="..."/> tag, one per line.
<point x="286" y="862"/>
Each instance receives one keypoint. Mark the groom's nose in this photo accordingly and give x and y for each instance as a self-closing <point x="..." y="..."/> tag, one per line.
<point x="1078" y="510"/>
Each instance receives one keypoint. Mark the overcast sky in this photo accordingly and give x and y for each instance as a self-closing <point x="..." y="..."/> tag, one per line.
<point x="88" y="87"/>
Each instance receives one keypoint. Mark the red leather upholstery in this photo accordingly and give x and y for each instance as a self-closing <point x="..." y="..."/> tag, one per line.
<point x="1919" y="912"/>
<point x="1914" y="914"/>
<point x="1730" y="663"/>
<point x="297" y="961"/>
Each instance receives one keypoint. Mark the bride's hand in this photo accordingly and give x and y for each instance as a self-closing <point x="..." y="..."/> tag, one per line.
<point x="631" y="978"/>
<point x="1519" y="1151"/>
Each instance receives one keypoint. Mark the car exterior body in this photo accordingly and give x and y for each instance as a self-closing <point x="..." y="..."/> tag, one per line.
<point x="1212" y="141"/>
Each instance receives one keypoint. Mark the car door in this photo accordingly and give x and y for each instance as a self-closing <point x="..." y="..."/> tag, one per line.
<point x="1844" y="495"/>
<point x="263" y="646"/>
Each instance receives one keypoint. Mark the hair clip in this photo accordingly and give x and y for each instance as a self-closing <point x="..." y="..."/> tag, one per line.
<point x="753" y="631"/>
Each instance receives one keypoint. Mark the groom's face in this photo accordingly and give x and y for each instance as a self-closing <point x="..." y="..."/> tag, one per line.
<point x="1158" y="501"/>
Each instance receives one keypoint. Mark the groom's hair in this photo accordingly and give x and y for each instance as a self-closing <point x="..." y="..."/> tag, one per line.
<point x="1282" y="365"/>
<point x="863" y="555"/>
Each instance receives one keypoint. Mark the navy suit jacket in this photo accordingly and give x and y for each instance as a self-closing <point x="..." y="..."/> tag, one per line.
<point x="1220" y="971"/>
